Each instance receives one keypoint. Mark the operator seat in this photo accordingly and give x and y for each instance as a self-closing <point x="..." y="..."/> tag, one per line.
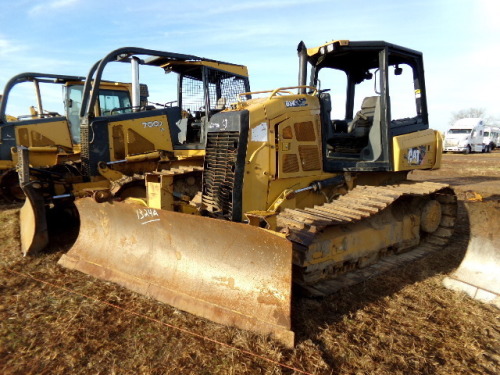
<point x="221" y="104"/>
<point x="360" y="125"/>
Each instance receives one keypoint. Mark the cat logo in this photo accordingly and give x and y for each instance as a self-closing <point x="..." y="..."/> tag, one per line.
<point x="296" y="103"/>
<point x="416" y="155"/>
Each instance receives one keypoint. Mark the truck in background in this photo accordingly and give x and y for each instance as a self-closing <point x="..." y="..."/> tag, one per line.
<point x="465" y="135"/>
<point x="491" y="138"/>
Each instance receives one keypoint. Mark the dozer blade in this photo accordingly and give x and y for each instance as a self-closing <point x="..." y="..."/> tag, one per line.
<point x="33" y="223"/>
<point x="478" y="274"/>
<point x="231" y="273"/>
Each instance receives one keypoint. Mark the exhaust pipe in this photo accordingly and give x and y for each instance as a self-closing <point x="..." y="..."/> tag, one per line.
<point x="302" y="52"/>
<point x="136" y="88"/>
<point x="38" y="98"/>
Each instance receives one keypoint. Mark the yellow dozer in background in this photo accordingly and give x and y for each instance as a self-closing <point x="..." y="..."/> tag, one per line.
<point x="121" y="138"/>
<point x="307" y="188"/>
<point x="52" y="138"/>
<point x="8" y="117"/>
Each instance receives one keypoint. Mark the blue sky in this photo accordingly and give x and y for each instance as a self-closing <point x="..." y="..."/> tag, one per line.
<point x="459" y="38"/>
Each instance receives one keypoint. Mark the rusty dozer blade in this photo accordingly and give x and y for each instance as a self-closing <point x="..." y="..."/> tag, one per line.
<point x="478" y="274"/>
<point x="231" y="273"/>
<point x="33" y="223"/>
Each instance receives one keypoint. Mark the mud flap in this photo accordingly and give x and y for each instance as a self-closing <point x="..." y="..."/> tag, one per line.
<point x="33" y="223"/>
<point x="479" y="273"/>
<point x="231" y="273"/>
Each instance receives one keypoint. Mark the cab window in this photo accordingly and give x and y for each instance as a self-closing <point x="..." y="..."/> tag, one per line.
<point x="114" y="102"/>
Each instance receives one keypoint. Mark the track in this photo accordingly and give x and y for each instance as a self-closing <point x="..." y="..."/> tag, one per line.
<point x="364" y="203"/>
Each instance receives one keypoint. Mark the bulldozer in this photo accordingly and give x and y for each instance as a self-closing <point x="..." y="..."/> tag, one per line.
<point x="303" y="185"/>
<point x="129" y="137"/>
<point x="52" y="138"/>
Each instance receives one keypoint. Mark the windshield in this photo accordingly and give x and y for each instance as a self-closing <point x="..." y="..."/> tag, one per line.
<point x="109" y="100"/>
<point x="459" y="131"/>
<point x="74" y="102"/>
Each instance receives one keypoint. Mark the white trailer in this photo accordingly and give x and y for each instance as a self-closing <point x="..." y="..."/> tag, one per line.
<point x="465" y="135"/>
<point x="491" y="137"/>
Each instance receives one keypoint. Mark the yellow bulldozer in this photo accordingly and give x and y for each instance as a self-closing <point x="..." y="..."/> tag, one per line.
<point x="304" y="185"/>
<point x="52" y="138"/>
<point x="122" y="139"/>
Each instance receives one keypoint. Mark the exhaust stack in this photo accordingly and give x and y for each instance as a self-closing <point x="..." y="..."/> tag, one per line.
<point x="302" y="52"/>
<point x="136" y="89"/>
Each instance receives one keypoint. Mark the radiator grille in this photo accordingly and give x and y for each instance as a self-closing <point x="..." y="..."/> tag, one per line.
<point x="290" y="163"/>
<point x="309" y="157"/>
<point x="219" y="173"/>
<point x="287" y="132"/>
<point x="304" y="131"/>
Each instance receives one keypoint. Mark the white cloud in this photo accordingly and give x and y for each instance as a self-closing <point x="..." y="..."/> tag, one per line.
<point x="254" y="5"/>
<point x="52" y="5"/>
<point x="8" y="47"/>
<point x="17" y="57"/>
<point x="191" y="9"/>
<point x="487" y="14"/>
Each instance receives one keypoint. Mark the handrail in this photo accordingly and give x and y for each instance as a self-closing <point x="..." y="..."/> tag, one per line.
<point x="279" y="90"/>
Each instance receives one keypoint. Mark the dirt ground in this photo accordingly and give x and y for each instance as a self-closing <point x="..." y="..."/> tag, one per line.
<point x="477" y="172"/>
<point x="56" y="321"/>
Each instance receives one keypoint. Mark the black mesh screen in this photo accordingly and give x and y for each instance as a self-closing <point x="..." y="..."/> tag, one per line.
<point x="223" y="89"/>
<point x="192" y="94"/>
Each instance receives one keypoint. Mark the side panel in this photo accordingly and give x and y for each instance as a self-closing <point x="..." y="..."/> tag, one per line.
<point x="477" y="139"/>
<point x="139" y="135"/>
<point x="299" y="147"/>
<point x="7" y="141"/>
<point x="284" y="149"/>
<point x="44" y="133"/>
<point x="419" y="150"/>
<point x="116" y="137"/>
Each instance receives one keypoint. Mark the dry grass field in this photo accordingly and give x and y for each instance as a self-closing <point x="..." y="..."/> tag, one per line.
<point x="56" y="321"/>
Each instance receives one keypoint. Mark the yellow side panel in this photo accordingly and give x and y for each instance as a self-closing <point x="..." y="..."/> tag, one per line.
<point x="299" y="148"/>
<point x="45" y="134"/>
<point x="137" y="136"/>
<point x="283" y="152"/>
<point x="260" y="165"/>
<point x="6" y="164"/>
<point x="39" y="156"/>
<point x="42" y="159"/>
<point x="419" y="150"/>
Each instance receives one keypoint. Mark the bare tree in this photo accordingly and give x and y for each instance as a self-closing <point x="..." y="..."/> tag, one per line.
<point x="469" y="113"/>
